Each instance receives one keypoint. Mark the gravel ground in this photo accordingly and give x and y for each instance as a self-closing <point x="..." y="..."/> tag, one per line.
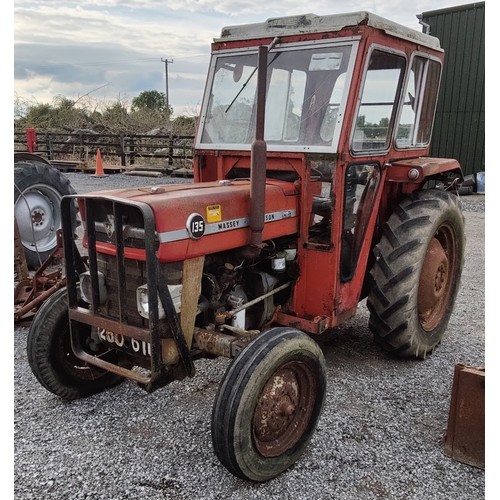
<point x="380" y="436"/>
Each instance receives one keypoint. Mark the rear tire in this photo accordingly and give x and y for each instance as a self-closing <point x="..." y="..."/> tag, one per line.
<point x="415" y="278"/>
<point x="51" y="357"/>
<point x="38" y="190"/>
<point x="268" y="404"/>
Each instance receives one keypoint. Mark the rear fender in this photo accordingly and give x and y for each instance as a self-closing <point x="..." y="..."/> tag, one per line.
<point x="414" y="173"/>
<point x="23" y="156"/>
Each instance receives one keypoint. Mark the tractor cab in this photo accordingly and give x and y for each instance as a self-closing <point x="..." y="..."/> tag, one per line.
<point x="349" y="109"/>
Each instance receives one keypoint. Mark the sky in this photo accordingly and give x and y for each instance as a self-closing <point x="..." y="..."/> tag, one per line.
<point x="112" y="50"/>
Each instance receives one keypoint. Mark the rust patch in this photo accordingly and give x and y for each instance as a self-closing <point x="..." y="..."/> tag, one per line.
<point x="464" y="440"/>
<point x="283" y="409"/>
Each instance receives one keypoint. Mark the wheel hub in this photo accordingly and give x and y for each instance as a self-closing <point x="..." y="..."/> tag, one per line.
<point x="283" y="409"/>
<point x="433" y="286"/>
<point x="37" y="217"/>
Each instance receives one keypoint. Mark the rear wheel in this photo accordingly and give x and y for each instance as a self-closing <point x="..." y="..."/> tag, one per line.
<point x="416" y="274"/>
<point x="51" y="357"/>
<point x="38" y="190"/>
<point x="268" y="404"/>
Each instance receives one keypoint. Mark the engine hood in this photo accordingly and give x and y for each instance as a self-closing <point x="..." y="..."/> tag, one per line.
<point x="202" y="218"/>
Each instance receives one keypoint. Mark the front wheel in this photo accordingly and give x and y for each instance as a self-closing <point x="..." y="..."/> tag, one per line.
<point x="416" y="274"/>
<point x="51" y="357"/>
<point x="268" y="404"/>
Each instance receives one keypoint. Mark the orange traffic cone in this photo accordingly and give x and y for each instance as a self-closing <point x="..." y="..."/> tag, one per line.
<point x="99" y="170"/>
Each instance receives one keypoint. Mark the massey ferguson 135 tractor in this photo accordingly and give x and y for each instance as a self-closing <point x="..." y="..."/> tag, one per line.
<point x="313" y="190"/>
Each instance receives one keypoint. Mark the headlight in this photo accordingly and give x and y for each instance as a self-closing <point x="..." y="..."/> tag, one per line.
<point x="86" y="287"/>
<point x="143" y="303"/>
<point x="143" y="300"/>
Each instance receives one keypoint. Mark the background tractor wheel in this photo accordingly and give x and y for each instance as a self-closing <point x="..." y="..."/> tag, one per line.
<point x="51" y="357"/>
<point x="268" y="404"/>
<point x="38" y="190"/>
<point x="416" y="274"/>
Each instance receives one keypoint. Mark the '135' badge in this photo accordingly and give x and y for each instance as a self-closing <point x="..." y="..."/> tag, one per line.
<point x="195" y="226"/>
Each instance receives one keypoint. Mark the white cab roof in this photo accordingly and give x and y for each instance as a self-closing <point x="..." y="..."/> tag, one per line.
<point x="311" y="23"/>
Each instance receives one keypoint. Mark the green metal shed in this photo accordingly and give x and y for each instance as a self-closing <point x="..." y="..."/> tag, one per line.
<point x="459" y="130"/>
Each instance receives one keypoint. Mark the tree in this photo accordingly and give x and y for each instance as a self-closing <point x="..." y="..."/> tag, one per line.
<point x="151" y="100"/>
<point x="38" y="116"/>
<point x="184" y="125"/>
<point x="113" y="117"/>
<point x="61" y="114"/>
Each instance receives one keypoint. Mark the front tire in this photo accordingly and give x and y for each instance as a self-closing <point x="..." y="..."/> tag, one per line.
<point x="51" y="357"/>
<point x="415" y="278"/>
<point x="268" y="404"/>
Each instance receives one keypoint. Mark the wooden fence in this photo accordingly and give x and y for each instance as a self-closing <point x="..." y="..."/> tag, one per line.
<point x="128" y="149"/>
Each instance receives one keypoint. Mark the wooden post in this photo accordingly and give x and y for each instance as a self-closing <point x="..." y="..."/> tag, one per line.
<point x="123" y="158"/>
<point x="171" y="150"/>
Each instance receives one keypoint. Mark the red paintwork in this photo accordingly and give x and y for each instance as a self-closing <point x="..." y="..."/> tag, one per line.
<point x="320" y="299"/>
<point x="319" y="292"/>
<point x="179" y="202"/>
<point x="398" y="171"/>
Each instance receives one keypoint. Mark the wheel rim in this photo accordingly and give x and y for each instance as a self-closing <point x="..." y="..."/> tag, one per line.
<point x="70" y="364"/>
<point x="38" y="218"/>
<point x="436" y="279"/>
<point x="284" y="408"/>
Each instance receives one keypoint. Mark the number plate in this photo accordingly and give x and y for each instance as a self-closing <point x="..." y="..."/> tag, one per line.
<point x="128" y="344"/>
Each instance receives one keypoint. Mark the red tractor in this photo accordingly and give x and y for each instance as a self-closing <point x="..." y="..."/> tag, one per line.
<point x="313" y="190"/>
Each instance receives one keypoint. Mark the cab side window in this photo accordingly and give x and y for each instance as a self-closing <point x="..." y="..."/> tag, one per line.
<point x="417" y="115"/>
<point x="379" y="99"/>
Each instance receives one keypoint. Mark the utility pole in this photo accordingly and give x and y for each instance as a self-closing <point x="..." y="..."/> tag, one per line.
<point x="167" y="62"/>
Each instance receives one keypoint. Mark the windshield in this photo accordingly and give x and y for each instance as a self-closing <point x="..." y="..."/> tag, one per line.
<point x="307" y="89"/>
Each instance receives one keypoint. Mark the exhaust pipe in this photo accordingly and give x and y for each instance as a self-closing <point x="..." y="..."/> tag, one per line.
<point x="258" y="160"/>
